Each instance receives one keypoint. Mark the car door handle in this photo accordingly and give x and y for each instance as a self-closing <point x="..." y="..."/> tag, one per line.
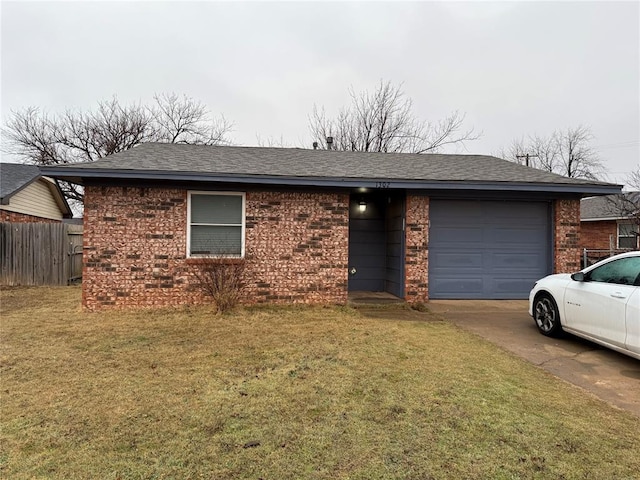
<point x="618" y="295"/>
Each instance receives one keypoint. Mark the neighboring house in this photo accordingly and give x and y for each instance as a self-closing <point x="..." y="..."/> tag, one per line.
<point x="312" y="225"/>
<point x="27" y="197"/>
<point x="609" y="222"/>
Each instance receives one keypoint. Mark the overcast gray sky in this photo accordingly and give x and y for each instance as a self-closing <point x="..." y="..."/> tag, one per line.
<point x="514" y="68"/>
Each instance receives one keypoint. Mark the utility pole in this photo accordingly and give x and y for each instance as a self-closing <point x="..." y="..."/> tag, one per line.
<point x="526" y="155"/>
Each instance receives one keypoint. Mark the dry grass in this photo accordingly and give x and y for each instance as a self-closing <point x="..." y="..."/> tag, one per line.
<point x="317" y="393"/>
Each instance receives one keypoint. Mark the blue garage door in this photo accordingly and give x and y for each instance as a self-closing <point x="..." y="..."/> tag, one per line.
<point x="487" y="249"/>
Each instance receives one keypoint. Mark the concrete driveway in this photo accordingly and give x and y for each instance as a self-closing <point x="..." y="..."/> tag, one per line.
<point x="613" y="377"/>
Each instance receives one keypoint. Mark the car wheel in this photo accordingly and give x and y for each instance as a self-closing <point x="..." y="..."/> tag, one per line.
<point x="546" y="315"/>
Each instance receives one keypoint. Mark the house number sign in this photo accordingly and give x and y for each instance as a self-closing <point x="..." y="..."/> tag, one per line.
<point x="383" y="184"/>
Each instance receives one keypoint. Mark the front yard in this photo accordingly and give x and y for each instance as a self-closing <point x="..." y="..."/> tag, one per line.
<point x="284" y="393"/>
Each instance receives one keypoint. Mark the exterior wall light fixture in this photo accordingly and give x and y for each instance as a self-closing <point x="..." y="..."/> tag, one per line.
<point x="362" y="206"/>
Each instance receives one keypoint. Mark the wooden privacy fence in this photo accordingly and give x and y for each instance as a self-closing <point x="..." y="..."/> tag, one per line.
<point x="40" y="253"/>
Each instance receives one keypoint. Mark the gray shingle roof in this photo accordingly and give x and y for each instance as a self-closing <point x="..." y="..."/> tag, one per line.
<point x="601" y="208"/>
<point x="14" y="177"/>
<point x="285" y="165"/>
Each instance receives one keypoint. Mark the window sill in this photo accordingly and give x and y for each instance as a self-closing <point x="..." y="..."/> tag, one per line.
<point x="214" y="260"/>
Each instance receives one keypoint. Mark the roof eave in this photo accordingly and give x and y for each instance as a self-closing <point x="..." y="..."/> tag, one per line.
<point x="605" y="219"/>
<point x="78" y="175"/>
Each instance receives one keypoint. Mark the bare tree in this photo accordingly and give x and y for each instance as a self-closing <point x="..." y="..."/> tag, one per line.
<point x="633" y="180"/>
<point x="183" y="120"/>
<point x="627" y="204"/>
<point x="565" y="152"/>
<point x="383" y="121"/>
<point x="577" y="158"/>
<point x="273" y="142"/>
<point x="76" y="136"/>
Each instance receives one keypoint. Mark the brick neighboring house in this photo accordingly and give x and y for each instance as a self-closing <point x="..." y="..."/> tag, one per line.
<point x="608" y="222"/>
<point x="28" y="197"/>
<point x="313" y="225"/>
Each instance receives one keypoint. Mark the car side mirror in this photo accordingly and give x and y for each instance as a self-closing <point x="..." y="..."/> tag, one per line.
<point x="577" y="277"/>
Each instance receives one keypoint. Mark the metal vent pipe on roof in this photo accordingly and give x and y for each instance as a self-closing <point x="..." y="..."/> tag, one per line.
<point x="329" y="143"/>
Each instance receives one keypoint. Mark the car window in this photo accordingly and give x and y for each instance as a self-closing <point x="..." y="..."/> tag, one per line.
<point x="624" y="271"/>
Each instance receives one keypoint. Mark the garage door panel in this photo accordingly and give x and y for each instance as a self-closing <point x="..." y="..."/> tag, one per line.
<point x="509" y="288"/>
<point x="456" y="260"/>
<point x="519" y="260"/>
<point x="514" y="236"/>
<point x="461" y="288"/>
<point x="455" y="233"/>
<point x="487" y="249"/>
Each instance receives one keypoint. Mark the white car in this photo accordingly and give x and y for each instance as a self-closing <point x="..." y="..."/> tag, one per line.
<point x="600" y="303"/>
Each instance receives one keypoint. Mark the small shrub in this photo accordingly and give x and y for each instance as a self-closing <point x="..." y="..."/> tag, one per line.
<point x="420" y="307"/>
<point x="221" y="279"/>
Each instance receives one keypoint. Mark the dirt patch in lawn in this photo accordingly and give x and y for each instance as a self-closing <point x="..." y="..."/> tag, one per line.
<point x="396" y="312"/>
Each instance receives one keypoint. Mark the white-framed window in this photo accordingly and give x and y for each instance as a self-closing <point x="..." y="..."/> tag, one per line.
<point x="216" y="224"/>
<point x="626" y="235"/>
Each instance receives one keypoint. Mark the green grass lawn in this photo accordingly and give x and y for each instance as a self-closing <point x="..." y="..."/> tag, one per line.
<point x="284" y="393"/>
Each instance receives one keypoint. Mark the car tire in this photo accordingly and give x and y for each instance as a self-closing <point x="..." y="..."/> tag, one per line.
<point x="546" y="315"/>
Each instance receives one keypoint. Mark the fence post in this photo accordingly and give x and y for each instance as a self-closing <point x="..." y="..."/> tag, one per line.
<point x="74" y="252"/>
<point x="69" y="259"/>
<point x="611" y="246"/>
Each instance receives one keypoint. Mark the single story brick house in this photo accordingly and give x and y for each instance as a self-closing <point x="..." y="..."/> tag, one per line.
<point x="312" y="225"/>
<point x="609" y="222"/>
<point x="28" y="197"/>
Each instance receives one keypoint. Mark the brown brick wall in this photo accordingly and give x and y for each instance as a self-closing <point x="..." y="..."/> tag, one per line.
<point x="297" y="247"/>
<point x="7" y="216"/>
<point x="135" y="248"/>
<point x="417" y="249"/>
<point x="566" y="224"/>
<point x="596" y="235"/>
